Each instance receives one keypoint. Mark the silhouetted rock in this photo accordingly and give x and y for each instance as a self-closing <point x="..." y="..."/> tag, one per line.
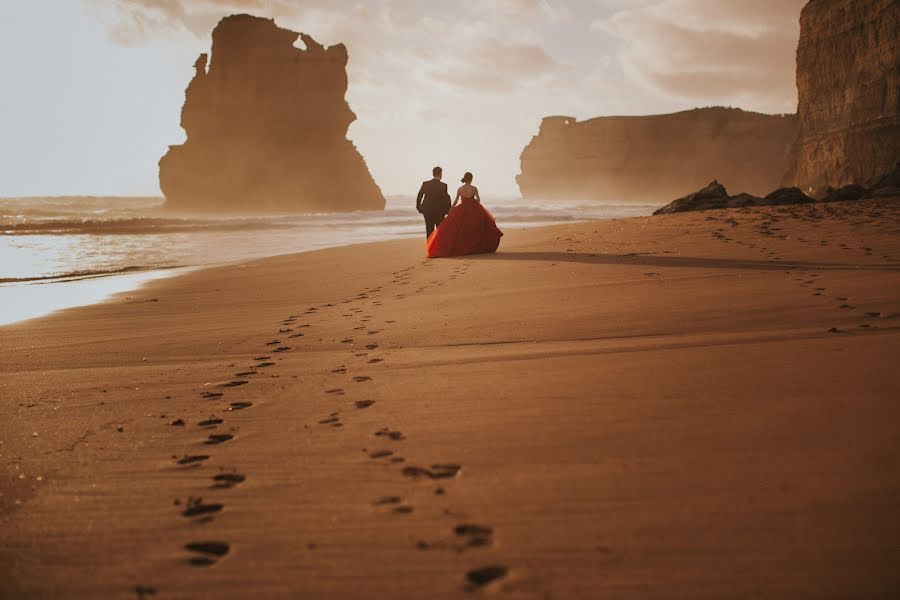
<point x="848" y="192"/>
<point x="848" y="82"/>
<point x="266" y="128"/>
<point x="713" y="195"/>
<point x="788" y="195"/>
<point x="646" y="158"/>
<point x="741" y="200"/>
<point x="884" y="192"/>
<point x="889" y="180"/>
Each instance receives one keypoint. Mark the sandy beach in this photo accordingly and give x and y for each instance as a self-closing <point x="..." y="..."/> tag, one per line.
<point x="700" y="405"/>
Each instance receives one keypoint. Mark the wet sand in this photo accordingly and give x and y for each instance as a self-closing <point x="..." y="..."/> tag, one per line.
<point x="699" y="405"/>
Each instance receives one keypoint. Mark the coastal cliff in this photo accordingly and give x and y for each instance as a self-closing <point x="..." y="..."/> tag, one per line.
<point x="651" y="157"/>
<point x="848" y="83"/>
<point x="266" y="127"/>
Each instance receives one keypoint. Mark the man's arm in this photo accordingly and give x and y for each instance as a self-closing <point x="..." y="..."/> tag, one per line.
<point x="447" y="198"/>
<point x="419" y="198"/>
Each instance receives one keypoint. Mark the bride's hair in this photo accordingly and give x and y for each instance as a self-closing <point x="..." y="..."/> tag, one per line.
<point x="467" y="178"/>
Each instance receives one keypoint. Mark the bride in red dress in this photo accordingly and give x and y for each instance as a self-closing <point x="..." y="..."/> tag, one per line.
<point x="468" y="229"/>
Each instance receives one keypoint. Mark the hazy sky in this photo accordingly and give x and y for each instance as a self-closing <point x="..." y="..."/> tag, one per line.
<point x="92" y="89"/>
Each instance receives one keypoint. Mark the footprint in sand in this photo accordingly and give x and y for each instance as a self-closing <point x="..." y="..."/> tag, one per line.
<point x="235" y="383"/>
<point x="380" y="454"/>
<point x="873" y="315"/>
<point x="211" y="395"/>
<point x="191" y="459"/>
<point x="332" y="420"/>
<point x="177" y="423"/>
<point x="273" y="343"/>
<point x="361" y="378"/>
<point x="339" y="370"/>
<point x="363" y="403"/>
<point x="239" y="405"/>
<point x="144" y="591"/>
<point x="228" y="480"/>
<point x="371" y="346"/>
<point x="437" y="471"/>
<point x="474" y="535"/>
<point x="479" y="578"/>
<point x="347" y="341"/>
<point x="208" y="553"/>
<point x="218" y="438"/>
<point x="387" y="500"/>
<point x="296" y="335"/>
<point x="403" y="510"/>
<point x="196" y="507"/>
<point x="335" y="392"/>
<point x="261" y="357"/>
<point x="263" y="365"/>
<point x="372" y="361"/>
<point x="246" y="373"/>
<point x="210" y="422"/>
<point x="390" y="434"/>
<point x="282" y="349"/>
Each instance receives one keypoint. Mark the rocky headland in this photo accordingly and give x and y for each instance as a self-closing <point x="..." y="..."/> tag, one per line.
<point x="848" y="80"/>
<point x="648" y="157"/>
<point x="844" y="143"/>
<point x="848" y="83"/>
<point x="266" y="127"/>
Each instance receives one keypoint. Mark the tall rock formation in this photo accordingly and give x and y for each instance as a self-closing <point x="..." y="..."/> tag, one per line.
<point x="266" y="127"/>
<point x="848" y="80"/>
<point x="654" y="157"/>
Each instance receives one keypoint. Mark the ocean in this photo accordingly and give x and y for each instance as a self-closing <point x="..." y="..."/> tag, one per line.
<point x="58" y="253"/>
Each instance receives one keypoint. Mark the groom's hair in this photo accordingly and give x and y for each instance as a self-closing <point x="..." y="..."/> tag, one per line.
<point x="437" y="171"/>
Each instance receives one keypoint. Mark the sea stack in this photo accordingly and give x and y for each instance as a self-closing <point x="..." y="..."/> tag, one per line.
<point x="646" y="158"/>
<point x="266" y="127"/>
<point x="848" y="83"/>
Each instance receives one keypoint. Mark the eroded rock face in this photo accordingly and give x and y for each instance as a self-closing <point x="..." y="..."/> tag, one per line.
<point x="266" y="127"/>
<point x="652" y="157"/>
<point x="848" y="81"/>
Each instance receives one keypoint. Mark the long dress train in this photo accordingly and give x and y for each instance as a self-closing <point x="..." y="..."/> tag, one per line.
<point x="468" y="229"/>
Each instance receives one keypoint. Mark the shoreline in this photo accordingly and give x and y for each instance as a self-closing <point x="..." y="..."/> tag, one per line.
<point x="20" y="291"/>
<point x="696" y="405"/>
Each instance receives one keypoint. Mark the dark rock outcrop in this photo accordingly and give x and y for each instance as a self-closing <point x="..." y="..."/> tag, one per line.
<point x="645" y="158"/>
<point x="266" y="128"/>
<point x="848" y="83"/>
<point x="715" y="196"/>
<point x="888" y="180"/>
<point x="788" y="195"/>
<point x="842" y="194"/>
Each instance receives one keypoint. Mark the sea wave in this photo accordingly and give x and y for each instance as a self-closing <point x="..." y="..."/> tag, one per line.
<point x="84" y="274"/>
<point x="130" y="226"/>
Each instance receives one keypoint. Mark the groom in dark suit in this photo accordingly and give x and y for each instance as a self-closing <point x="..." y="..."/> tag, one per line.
<point x="433" y="201"/>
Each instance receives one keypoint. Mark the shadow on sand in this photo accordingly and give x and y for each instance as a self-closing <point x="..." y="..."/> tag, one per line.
<point x="656" y="260"/>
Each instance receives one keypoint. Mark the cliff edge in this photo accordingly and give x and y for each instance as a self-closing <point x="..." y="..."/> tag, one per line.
<point x="651" y="157"/>
<point x="848" y="83"/>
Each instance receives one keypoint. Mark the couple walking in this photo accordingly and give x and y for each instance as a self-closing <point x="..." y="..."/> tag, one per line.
<point x="464" y="228"/>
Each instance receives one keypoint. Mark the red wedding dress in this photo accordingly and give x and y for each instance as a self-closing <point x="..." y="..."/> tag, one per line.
<point x="468" y="229"/>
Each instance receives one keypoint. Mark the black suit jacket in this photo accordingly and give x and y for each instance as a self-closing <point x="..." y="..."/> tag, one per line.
<point x="433" y="199"/>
